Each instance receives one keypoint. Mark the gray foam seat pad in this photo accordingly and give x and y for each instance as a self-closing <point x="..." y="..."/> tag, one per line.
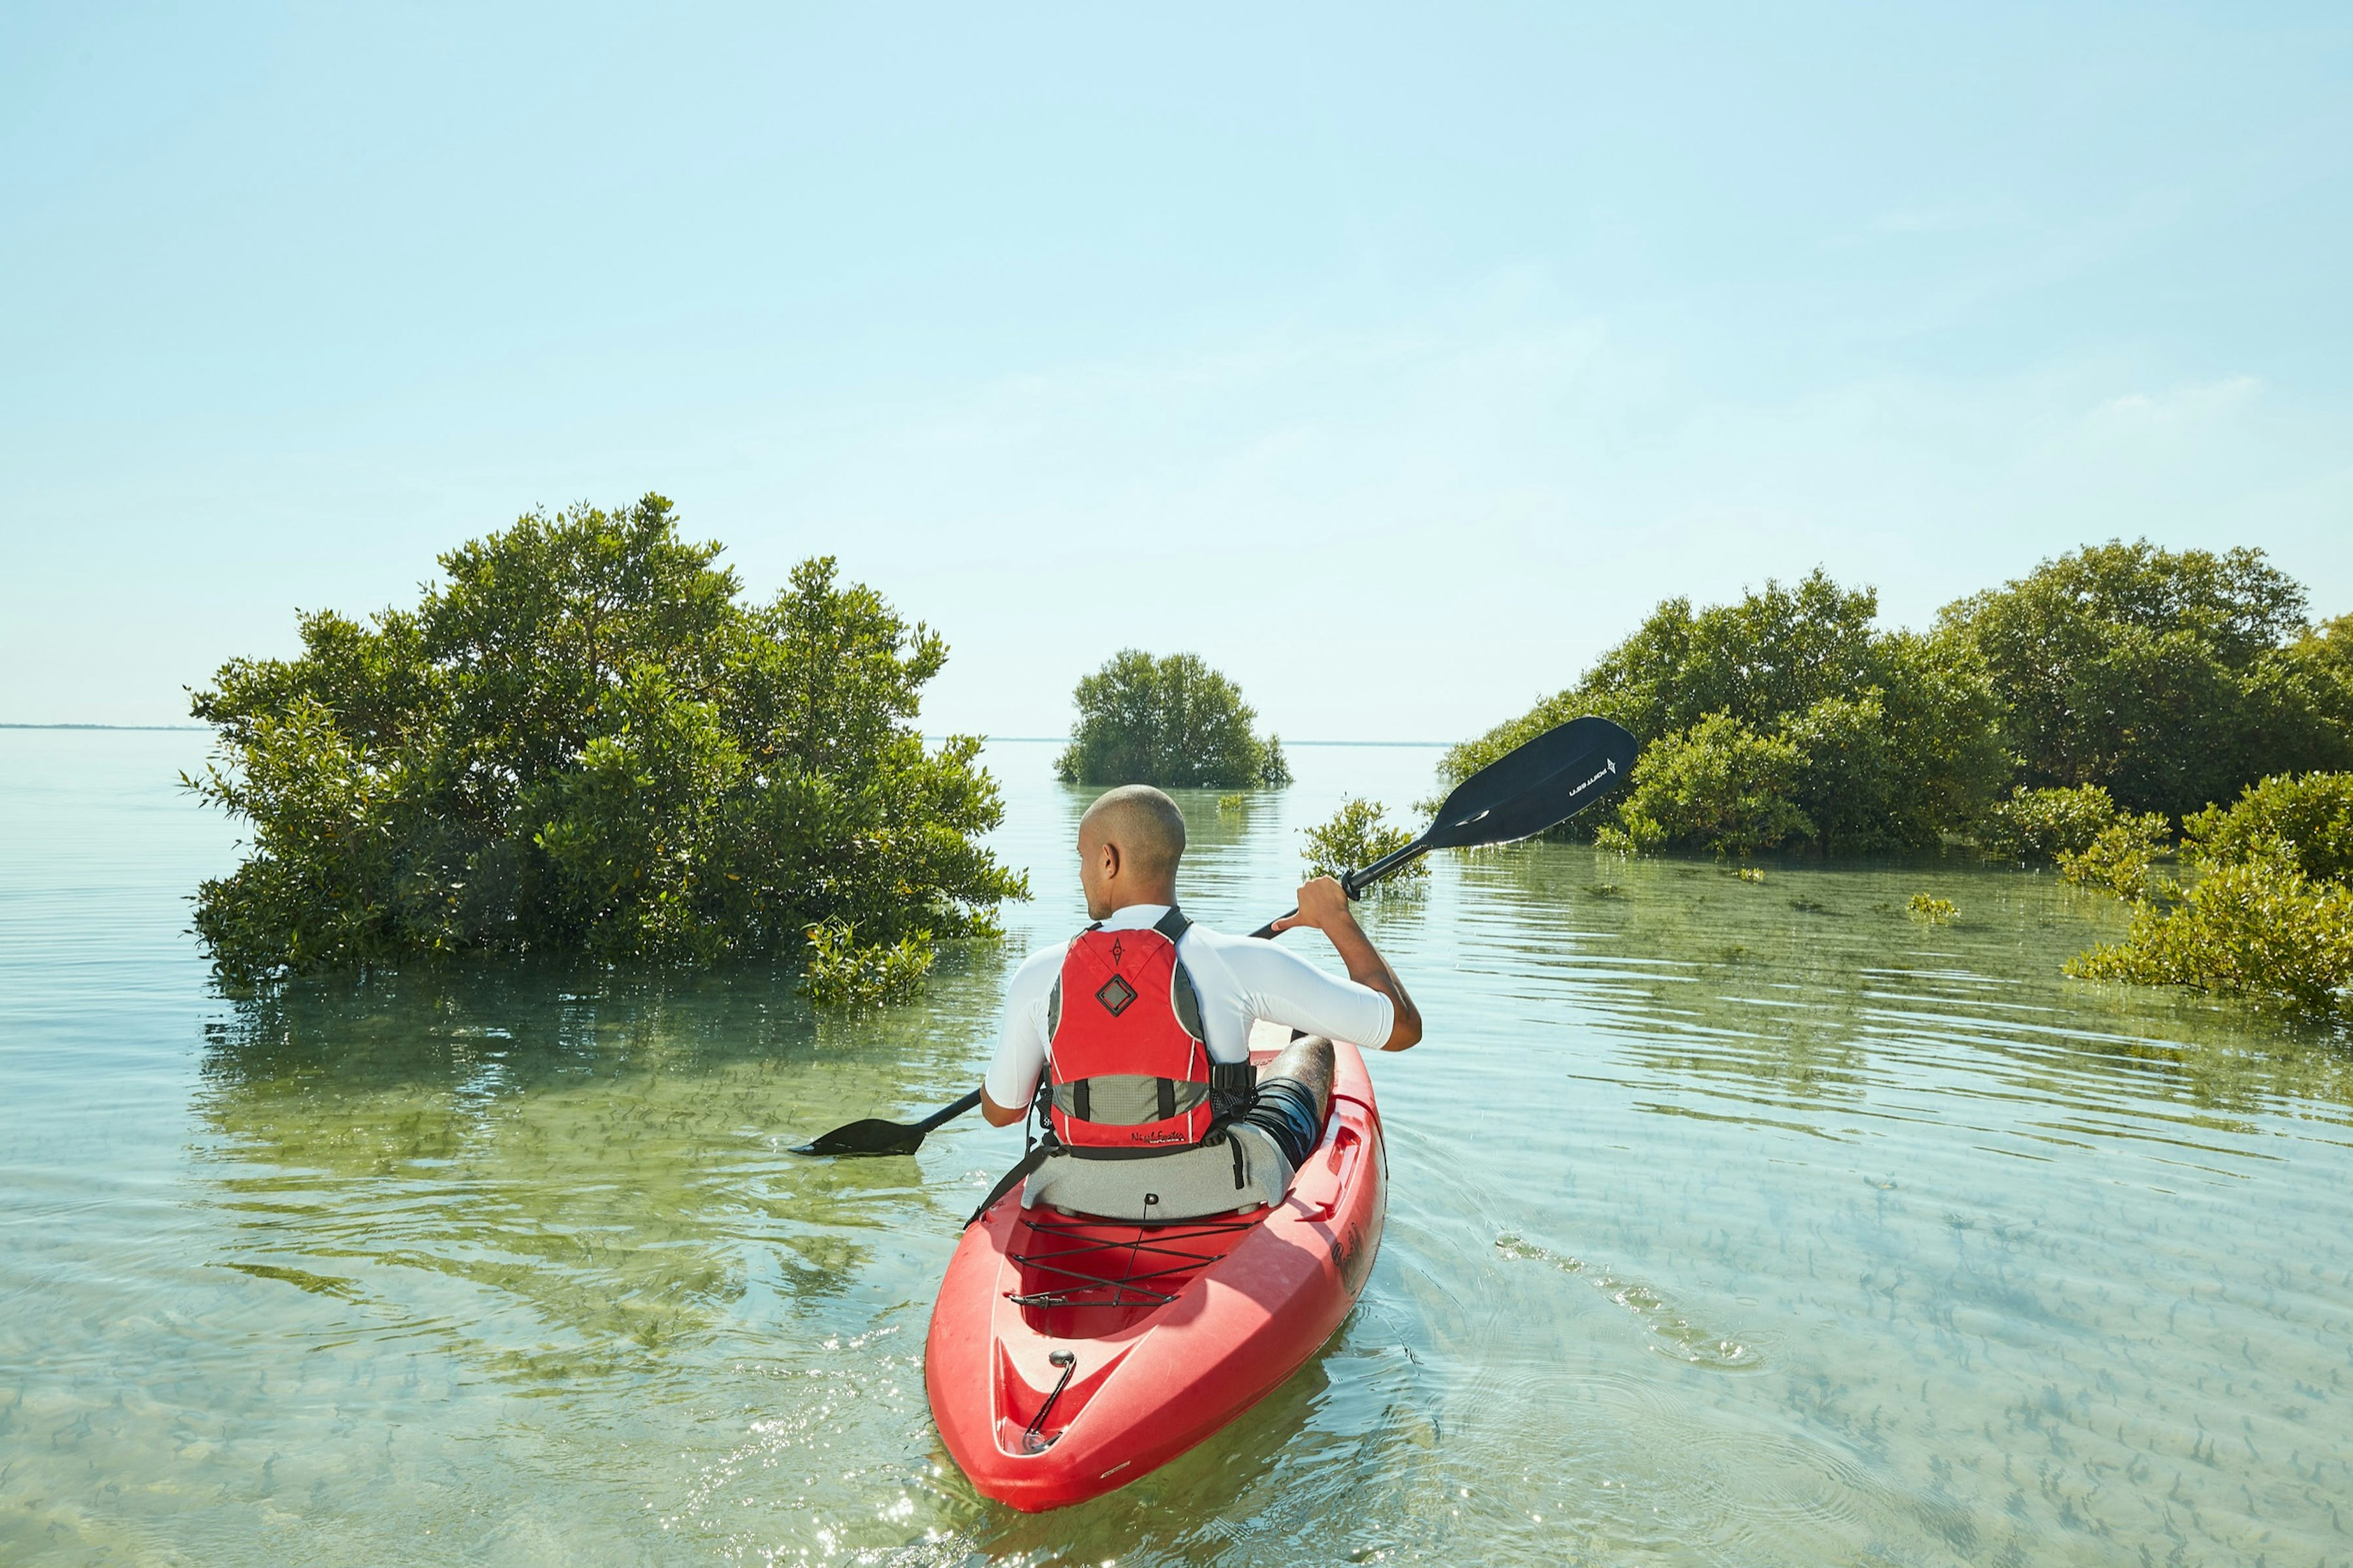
<point x="1188" y="1183"/>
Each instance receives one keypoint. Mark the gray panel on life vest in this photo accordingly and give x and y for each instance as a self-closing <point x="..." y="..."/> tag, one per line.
<point x="1185" y="1000"/>
<point x="1185" y="1183"/>
<point x="1125" y="1099"/>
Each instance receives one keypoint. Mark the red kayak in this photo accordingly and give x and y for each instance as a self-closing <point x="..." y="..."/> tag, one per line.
<point x="1069" y="1355"/>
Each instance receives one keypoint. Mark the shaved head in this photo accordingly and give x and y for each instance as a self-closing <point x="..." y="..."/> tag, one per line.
<point x="1144" y="824"/>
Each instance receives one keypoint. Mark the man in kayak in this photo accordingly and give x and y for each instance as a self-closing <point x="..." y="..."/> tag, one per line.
<point x="1142" y="1024"/>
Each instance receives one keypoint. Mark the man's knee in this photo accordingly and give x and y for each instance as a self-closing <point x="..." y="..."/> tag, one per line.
<point x="1311" y="1061"/>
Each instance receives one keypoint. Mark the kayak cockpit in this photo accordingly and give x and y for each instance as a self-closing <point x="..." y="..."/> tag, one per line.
<point x="1085" y="1278"/>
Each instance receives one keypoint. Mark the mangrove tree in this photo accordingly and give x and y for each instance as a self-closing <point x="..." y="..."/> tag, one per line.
<point x="1786" y="718"/>
<point x="2169" y="679"/>
<point x="1172" y="722"/>
<point x="585" y="742"/>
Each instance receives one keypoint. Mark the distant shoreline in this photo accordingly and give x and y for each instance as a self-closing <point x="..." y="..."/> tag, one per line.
<point x="1037" y="739"/>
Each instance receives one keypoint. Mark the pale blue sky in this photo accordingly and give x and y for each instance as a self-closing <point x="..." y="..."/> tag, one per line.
<point x="1395" y="360"/>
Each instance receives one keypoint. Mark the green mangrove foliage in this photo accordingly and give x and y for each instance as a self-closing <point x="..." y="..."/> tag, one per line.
<point x="1929" y="910"/>
<point x="2308" y="820"/>
<point x="2120" y="857"/>
<point x="2082" y="832"/>
<point x="2038" y="827"/>
<point x="1718" y="783"/>
<point x="1358" y="834"/>
<point x="1171" y="721"/>
<point x="842" y="971"/>
<point x="584" y="741"/>
<point x="2269" y="918"/>
<point x="1784" y="718"/>
<point x="2116" y="682"/>
<point x="2171" y="678"/>
<point x="2323" y="656"/>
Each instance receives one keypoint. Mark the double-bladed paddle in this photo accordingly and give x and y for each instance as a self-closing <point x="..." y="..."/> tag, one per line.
<point x="1531" y="787"/>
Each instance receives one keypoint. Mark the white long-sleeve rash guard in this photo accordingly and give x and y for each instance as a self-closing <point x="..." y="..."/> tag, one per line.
<point x="1240" y="979"/>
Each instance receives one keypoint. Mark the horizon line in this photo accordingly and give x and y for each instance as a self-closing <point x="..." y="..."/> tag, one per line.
<point x="1025" y="740"/>
<point x="4" y="725"/>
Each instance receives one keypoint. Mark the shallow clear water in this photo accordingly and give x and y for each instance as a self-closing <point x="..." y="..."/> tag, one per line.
<point x="1730" y="1222"/>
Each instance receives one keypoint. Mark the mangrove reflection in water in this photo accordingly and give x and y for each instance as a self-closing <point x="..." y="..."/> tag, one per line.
<point x="1731" y="1220"/>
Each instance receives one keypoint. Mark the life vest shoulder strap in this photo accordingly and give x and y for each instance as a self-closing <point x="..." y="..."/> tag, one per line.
<point x="1054" y="997"/>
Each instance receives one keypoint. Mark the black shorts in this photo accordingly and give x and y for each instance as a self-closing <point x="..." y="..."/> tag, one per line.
<point x="1284" y="1110"/>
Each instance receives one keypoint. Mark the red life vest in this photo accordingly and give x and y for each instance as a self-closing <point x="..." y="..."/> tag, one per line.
<point x="1129" y="1067"/>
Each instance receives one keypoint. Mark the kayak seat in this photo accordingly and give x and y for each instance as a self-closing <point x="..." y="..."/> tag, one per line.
<point x="1240" y="1171"/>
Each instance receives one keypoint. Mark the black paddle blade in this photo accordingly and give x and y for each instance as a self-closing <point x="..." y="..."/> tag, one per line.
<point x="876" y="1136"/>
<point x="871" y="1136"/>
<point x="1536" y="784"/>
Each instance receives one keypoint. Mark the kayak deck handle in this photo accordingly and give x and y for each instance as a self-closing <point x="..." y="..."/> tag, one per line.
<point x="1031" y="1443"/>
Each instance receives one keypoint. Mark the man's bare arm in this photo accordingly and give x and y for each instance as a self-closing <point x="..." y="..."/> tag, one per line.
<point x="1322" y="905"/>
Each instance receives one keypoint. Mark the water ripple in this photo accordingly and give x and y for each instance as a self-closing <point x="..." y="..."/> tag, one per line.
<point x="1730" y="1222"/>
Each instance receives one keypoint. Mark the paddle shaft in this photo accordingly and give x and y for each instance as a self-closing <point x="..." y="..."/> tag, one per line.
<point x="1353" y="883"/>
<point x="950" y="1112"/>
